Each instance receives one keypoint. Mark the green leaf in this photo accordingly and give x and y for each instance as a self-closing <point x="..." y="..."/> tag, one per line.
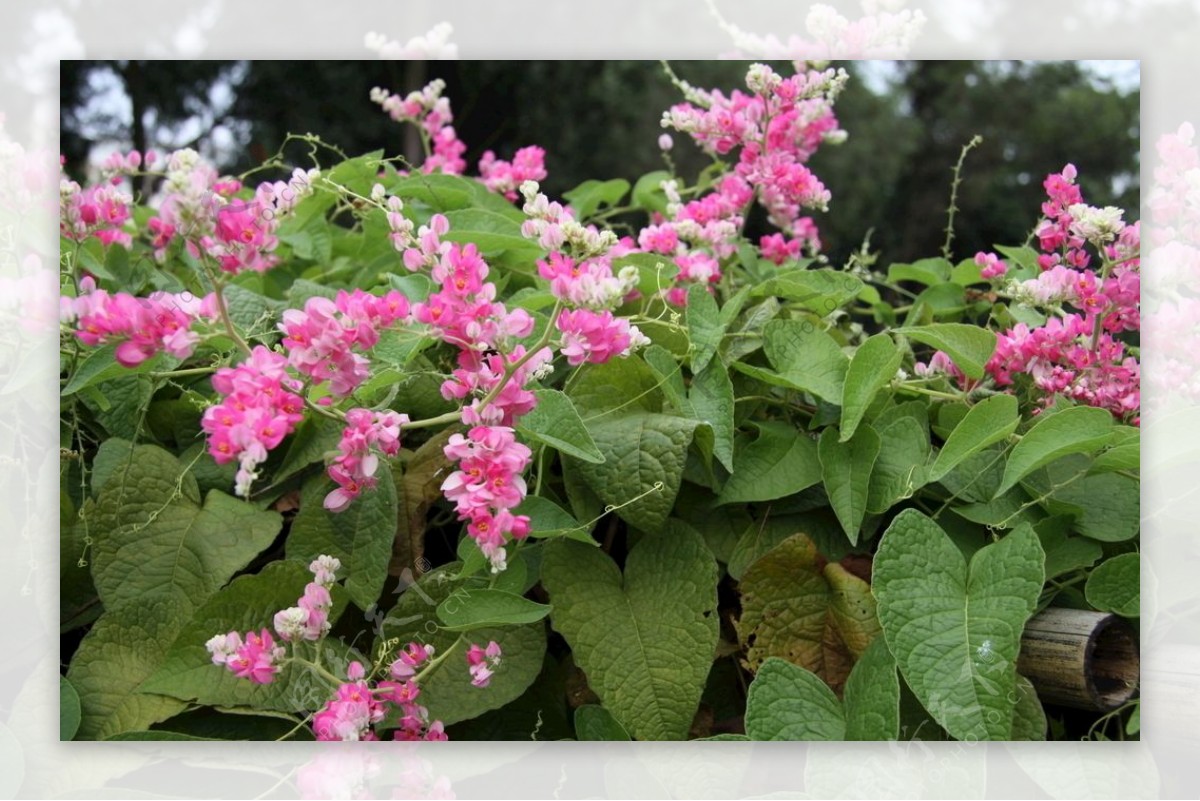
<point x="590" y="195"/>
<point x="397" y="347"/>
<point x="873" y="366"/>
<point x="315" y="436"/>
<point x="872" y="696"/>
<point x="846" y="472"/>
<point x="806" y="358"/>
<point x="987" y="423"/>
<point x="787" y="702"/>
<point x="249" y="603"/>
<point x="68" y="710"/>
<point x="480" y="608"/>
<point x="490" y="232"/>
<point x="1029" y="719"/>
<point x="1079" y="429"/>
<point x="1105" y="507"/>
<point x="712" y="403"/>
<point x="440" y="192"/>
<point x="900" y="469"/>
<point x="648" y="193"/>
<point x="822" y="291"/>
<point x="781" y="462"/>
<point x="153" y="540"/>
<point x="247" y="308"/>
<point x="617" y="386"/>
<point x="448" y="692"/>
<point x="644" y="455"/>
<point x="705" y="329"/>
<point x="1115" y="586"/>
<point x="595" y="723"/>
<point x="102" y="365"/>
<point x="556" y="422"/>
<point x="1065" y="554"/>
<point x="548" y="519"/>
<point x="923" y="271"/>
<point x="968" y="346"/>
<point x="955" y="629"/>
<point x="645" y="639"/>
<point x="360" y="537"/>
<point x="1127" y="456"/>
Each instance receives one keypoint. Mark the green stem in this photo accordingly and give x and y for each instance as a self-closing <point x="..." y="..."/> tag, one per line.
<point x="183" y="373"/>
<point x="975" y="140"/>
<point x="437" y="660"/>
<point x="222" y="309"/>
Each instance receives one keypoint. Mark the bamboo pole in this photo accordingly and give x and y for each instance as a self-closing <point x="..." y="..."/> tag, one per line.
<point x="1079" y="658"/>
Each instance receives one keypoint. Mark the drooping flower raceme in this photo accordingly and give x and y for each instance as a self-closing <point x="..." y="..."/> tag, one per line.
<point x="259" y="407"/>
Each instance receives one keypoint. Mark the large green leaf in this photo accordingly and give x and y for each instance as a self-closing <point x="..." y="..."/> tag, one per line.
<point x="872" y="696"/>
<point x="556" y="422"/>
<point x="712" y="403"/>
<point x="615" y="387"/>
<point x="781" y="462"/>
<point x="1115" y="586"/>
<point x="644" y="455"/>
<point x="646" y="639"/>
<point x="68" y="710"/>
<point x="900" y="468"/>
<point x="249" y="603"/>
<point x="874" y="365"/>
<point x="806" y="358"/>
<point x="955" y="629"/>
<point x="846" y="471"/>
<point x="705" y="329"/>
<point x="787" y="702"/>
<point x="593" y="722"/>
<point x="1105" y="506"/>
<point x="823" y="290"/>
<point x="157" y="555"/>
<point x="1079" y="429"/>
<point x="968" y="346"/>
<point x="987" y="423"/>
<point x="361" y="537"/>
<point x="478" y="608"/>
<point x="590" y="195"/>
<point x="448" y="692"/>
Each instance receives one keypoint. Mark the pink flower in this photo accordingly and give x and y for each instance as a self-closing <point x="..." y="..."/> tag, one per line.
<point x="992" y="266"/>
<point x="483" y="662"/>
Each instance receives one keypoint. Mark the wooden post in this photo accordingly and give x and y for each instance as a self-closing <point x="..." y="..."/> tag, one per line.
<point x="1079" y="658"/>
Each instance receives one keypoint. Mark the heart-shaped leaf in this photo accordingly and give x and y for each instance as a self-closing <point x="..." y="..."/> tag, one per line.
<point x="955" y="629"/>
<point x="645" y="639"/>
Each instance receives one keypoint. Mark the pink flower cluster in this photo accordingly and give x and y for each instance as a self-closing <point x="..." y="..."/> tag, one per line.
<point x="487" y="486"/>
<point x="355" y="708"/>
<point x="1074" y="354"/>
<point x="322" y="338"/>
<point x="990" y="265"/>
<point x="431" y="113"/>
<point x="143" y="326"/>
<point x="100" y="211"/>
<point x="504" y="177"/>
<point x="353" y="469"/>
<point x="258" y="409"/>
<point x="482" y="662"/>
<point x="775" y="128"/>
<point x="309" y="618"/>
<point x="256" y="658"/>
<point x="243" y="236"/>
<point x="596" y="337"/>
